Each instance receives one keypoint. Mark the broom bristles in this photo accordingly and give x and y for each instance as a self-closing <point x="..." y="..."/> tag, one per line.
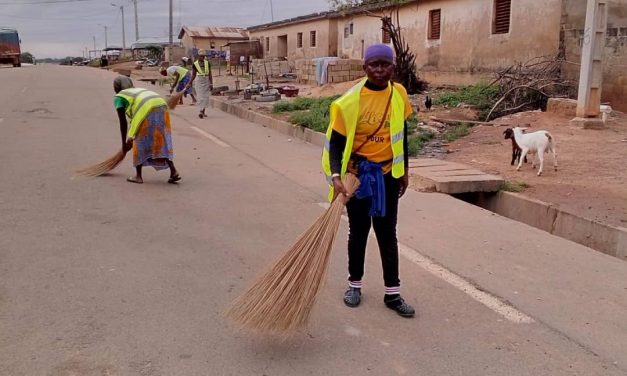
<point x="104" y="166"/>
<point x="281" y="300"/>
<point x="174" y="100"/>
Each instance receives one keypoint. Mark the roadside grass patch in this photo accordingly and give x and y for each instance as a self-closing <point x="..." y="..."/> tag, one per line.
<point x="514" y="186"/>
<point x="312" y="113"/>
<point x="417" y="141"/>
<point x="298" y="104"/>
<point x="457" y="131"/>
<point x="481" y="97"/>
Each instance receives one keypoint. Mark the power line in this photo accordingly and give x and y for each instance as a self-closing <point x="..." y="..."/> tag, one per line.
<point x="41" y="2"/>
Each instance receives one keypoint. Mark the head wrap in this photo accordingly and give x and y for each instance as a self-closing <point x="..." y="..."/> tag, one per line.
<point x="379" y="52"/>
<point x="122" y="82"/>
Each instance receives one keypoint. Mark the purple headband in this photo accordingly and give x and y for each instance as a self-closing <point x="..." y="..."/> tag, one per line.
<point x="379" y="51"/>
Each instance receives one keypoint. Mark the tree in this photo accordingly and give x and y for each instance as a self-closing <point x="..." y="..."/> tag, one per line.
<point x="155" y="52"/>
<point x="26" y="57"/>
<point x="405" y="70"/>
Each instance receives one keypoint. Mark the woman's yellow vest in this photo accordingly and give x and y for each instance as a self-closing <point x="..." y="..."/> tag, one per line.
<point x="348" y="107"/>
<point x="140" y="103"/>
<point x="182" y="72"/>
<point x="200" y="71"/>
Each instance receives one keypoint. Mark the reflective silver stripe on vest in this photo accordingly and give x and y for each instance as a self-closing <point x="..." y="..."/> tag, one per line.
<point x="327" y="145"/>
<point x="134" y="95"/>
<point x="329" y="180"/>
<point x="144" y="100"/>
<point x="397" y="137"/>
<point x="398" y="159"/>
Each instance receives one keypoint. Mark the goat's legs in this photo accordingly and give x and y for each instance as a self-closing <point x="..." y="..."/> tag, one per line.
<point x="541" y="158"/>
<point x="523" y="155"/>
<point x="554" y="152"/>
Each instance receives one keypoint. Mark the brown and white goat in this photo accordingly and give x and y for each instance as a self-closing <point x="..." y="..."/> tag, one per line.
<point x="516" y="151"/>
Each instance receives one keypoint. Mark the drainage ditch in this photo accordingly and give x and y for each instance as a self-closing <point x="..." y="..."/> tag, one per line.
<point x="601" y="237"/>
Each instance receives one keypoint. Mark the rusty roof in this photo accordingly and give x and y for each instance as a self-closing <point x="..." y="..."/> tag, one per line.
<point x="236" y="33"/>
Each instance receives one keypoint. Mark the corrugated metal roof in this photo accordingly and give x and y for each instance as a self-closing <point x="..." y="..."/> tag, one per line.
<point x="214" y="32"/>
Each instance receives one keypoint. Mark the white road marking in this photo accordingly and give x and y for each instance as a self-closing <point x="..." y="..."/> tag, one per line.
<point x="211" y="137"/>
<point x="1" y="120"/>
<point x="24" y="89"/>
<point x="507" y="311"/>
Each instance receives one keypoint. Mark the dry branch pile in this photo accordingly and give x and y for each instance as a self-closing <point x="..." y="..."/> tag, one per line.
<point x="527" y="86"/>
<point x="405" y="70"/>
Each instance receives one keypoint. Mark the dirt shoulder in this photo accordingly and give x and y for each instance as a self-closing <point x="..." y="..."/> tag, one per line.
<point x="591" y="178"/>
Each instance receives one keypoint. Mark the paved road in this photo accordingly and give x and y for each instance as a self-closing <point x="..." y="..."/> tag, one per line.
<point x="103" y="277"/>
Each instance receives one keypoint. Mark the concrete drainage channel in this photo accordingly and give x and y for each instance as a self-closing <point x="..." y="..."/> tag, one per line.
<point x="455" y="179"/>
<point x="598" y="236"/>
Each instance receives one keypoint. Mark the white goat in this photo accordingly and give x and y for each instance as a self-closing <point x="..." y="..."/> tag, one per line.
<point x="538" y="143"/>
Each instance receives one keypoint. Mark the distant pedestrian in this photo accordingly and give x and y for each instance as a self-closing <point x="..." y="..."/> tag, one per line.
<point x="201" y="74"/>
<point x="181" y="77"/>
<point x="150" y="133"/>
<point x="367" y="135"/>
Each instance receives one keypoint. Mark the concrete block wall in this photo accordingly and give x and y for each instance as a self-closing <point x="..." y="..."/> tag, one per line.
<point x="274" y="68"/>
<point x="341" y="70"/>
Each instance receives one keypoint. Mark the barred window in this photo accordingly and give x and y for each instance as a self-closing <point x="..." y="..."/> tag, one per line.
<point x="434" y="24"/>
<point x="502" y="16"/>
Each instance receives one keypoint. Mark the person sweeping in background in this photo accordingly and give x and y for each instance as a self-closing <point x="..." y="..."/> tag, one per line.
<point x="367" y="135"/>
<point x="201" y="74"/>
<point x="182" y="77"/>
<point x="149" y="134"/>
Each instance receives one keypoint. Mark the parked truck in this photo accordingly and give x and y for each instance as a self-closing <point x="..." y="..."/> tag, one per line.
<point x="9" y="47"/>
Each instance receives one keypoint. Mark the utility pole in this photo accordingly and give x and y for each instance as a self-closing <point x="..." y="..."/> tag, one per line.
<point x="136" y="23"/>
<point x="106" y="40"/>
<point x="123" y="32"/>
<point x="591" y="72"/>
<point x="271" y="11"/>
<point x="94" y="47"/>
<point x="169" y="54"/>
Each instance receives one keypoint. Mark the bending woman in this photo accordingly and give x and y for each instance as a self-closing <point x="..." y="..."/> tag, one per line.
<point x="150" y="133"/>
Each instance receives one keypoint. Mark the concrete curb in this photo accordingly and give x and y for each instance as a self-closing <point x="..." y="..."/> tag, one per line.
<point x="242" y="111"/>
<point x="604" y="238"/>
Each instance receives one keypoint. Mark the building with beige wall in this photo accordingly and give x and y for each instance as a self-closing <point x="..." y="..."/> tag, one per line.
<point x="305" y="37"/>
<point x="461" y="41"/>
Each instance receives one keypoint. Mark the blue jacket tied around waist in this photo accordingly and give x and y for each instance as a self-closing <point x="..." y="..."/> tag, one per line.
<point x="371" y="184"/>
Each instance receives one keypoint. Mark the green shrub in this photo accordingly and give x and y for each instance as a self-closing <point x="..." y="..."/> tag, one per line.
<point x="457" y="131"/>
<point x="412" y="124"/>
<point x="416" y="142"/>
<point x="317" y="117"/>
<point x="514" y="186"/>
<point x="298" y="104"/>
<point x="481" y="96"/>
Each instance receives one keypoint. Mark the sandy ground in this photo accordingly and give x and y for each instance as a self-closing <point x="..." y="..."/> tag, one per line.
<point x="591" y="177"/>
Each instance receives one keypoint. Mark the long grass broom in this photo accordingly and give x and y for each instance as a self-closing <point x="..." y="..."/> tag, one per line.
<point x="281" y="300"/>
<point x="174" y="99"/>
<point x="104" y="166"/>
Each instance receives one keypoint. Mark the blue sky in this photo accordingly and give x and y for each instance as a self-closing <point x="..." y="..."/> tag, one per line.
<point x="59" y="28"/>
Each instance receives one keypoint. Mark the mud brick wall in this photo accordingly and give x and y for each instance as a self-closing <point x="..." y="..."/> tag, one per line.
<point x="341" y="70"/>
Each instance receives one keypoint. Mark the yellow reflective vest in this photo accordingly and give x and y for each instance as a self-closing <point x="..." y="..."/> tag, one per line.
<point x="182" y="72"/>
<point x="140" y="103"/>
<point x="200" y="72"/>
<point x="348" y="106"/>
